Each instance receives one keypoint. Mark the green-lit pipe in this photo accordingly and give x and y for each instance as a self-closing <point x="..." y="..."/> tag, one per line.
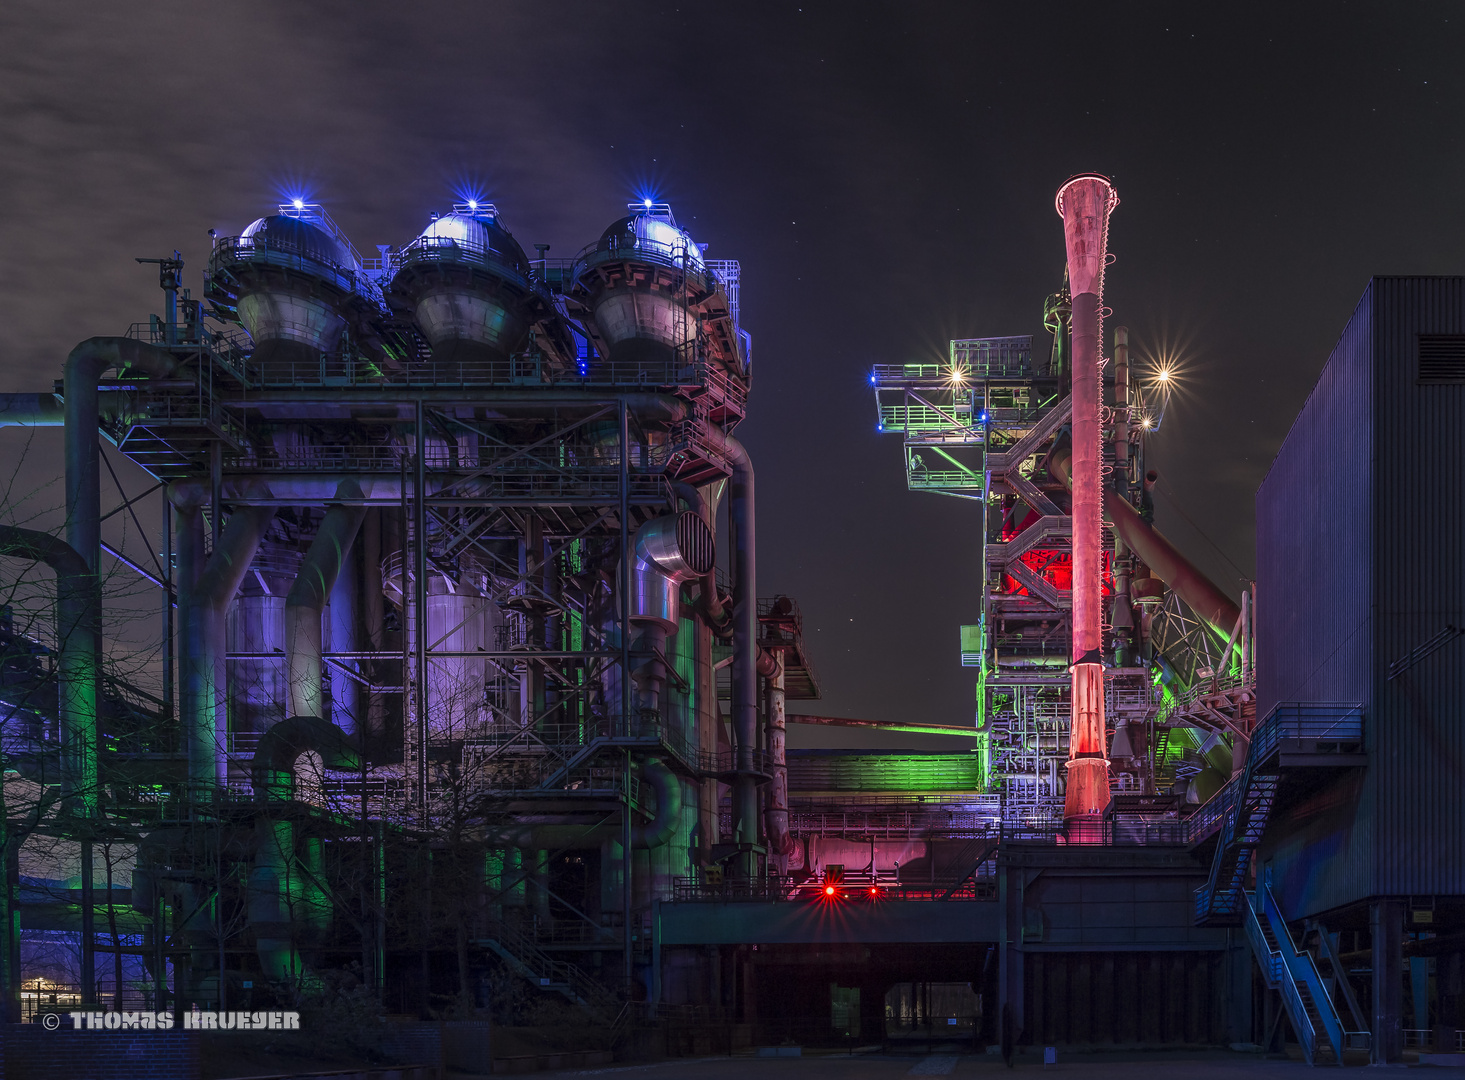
<point x="283" y="889"/>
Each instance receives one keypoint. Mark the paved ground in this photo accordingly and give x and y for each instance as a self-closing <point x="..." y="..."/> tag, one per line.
<point x="1153" y="1066"/>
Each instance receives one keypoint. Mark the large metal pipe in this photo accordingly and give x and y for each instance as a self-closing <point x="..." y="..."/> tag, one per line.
<point x="741" y="513"/>
<point x="84" y="366"/>
<point x="78" y="639"/>
<point x="775" y="820"/>
<point x="1161" y="556"/>
<point x="652" y="408"/>
<point x="707" y="711"/>
<point x="1084" y="203"/>
<point x="204" y="594"/>
<point x="81" y="409"/>
<point x="307" y="599"/>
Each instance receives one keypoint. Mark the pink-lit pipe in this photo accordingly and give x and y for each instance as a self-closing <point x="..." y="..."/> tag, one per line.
<point x="1085" y="203"/>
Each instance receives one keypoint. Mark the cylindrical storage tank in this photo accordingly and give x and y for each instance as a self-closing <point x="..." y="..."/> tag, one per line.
<point x="460" y="619"/>
<point x="467" y="285"/>
<point x="257" y="686"/>
<point x="455" y="623"/>
<point x="642" y="282"/>
<point x="289" y="281"/>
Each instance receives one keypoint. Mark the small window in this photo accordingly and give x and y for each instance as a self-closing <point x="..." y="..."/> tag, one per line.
<point x="1442" y="358"/>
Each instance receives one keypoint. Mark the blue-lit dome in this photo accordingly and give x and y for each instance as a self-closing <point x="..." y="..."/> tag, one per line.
<point x="653" y="238"/>
<point x="469" y="288"/>
<point x="297" y="237"/>
<point x="474" y="239"/>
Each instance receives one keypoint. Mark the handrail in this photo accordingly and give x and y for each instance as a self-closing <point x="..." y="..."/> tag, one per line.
<point x="1300" y="964"/>
<point x="447" y="249"/>
<point x="277" y="251"/>
<point x="680" y="254"/>
<point x="1279" y="975"/>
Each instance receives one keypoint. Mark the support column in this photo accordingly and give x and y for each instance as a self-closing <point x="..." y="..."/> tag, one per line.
<point x="776" y="817"/>
<point x="1010" y="1013"/>
<point x="1386" y="925"/>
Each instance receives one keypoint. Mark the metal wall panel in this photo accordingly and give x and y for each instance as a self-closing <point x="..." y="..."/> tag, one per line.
<point x="1361" y="559"/>
<point x="1418" y="717"/>
<point x="877" y="770"/>
<point x="1314" y="514"/>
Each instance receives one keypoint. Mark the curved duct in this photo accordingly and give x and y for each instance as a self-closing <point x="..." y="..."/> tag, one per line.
<point x="204" y="594"/>
<point x="1156" y="552"/>
<point x="272" y="770"/>
<point x="284" y="888"/>
<point x="78" y="636"/>
<point x="84" y="366"/>
<point x="307" y="598"/>
<point x="742" y="516"/>
<point x="709" y="602"/>
<point x="668" y="551"/>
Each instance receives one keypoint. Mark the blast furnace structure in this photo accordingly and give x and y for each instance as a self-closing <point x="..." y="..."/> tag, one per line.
<point x="445" y="620"/>
<point x="448" y="626"/>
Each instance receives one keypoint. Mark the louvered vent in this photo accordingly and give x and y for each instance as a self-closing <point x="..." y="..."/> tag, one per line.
<point x="1442" y="358"/>
<point x="695" y="540"/>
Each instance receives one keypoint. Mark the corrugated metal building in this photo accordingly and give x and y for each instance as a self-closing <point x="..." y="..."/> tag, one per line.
<point x="1360" y="589"/>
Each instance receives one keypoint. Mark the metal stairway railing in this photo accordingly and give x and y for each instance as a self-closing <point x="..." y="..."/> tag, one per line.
<point x="1328" y="954"/>
<point x="973" y="854"/>
<point x="525" y="956"/>
<point x="1292" y="971"/>
<point x="1300" y="734"/>
<point x="1219" y="902"/>
<point x="1268" y="952"/>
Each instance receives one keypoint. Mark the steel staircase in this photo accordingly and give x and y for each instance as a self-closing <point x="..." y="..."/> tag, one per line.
<point x="971" y="857"/>
<point x="1293" y="736"/>
<point x="525" y="956"/>
<point x="1331" y="964"/>
<point x="1220" y="902"/>
<point x="1290" y="971"/>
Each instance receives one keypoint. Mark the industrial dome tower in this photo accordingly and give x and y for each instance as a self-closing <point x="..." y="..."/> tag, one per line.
<point x="443" y="523"/>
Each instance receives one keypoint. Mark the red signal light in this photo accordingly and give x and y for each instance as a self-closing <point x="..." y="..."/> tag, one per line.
<point x="874" y="890"/>
<point x="829" y="890"/>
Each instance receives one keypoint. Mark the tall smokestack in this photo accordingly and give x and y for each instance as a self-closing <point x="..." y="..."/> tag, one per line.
<point x="1085" y="203"/>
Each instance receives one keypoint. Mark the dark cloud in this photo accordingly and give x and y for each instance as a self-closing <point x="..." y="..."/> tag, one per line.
<point x="884" y="172"/>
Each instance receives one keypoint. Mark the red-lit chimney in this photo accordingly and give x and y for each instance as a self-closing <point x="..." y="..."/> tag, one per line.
<point x="1085" y="203"/>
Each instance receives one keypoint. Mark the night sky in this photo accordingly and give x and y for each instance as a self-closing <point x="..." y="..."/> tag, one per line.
<point x="884" y="173"/>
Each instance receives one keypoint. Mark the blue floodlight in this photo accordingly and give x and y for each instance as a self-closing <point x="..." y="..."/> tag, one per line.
<point x="472" y="204"/>
<point x="298" y="203"/>
<point x="646" y="203"/>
